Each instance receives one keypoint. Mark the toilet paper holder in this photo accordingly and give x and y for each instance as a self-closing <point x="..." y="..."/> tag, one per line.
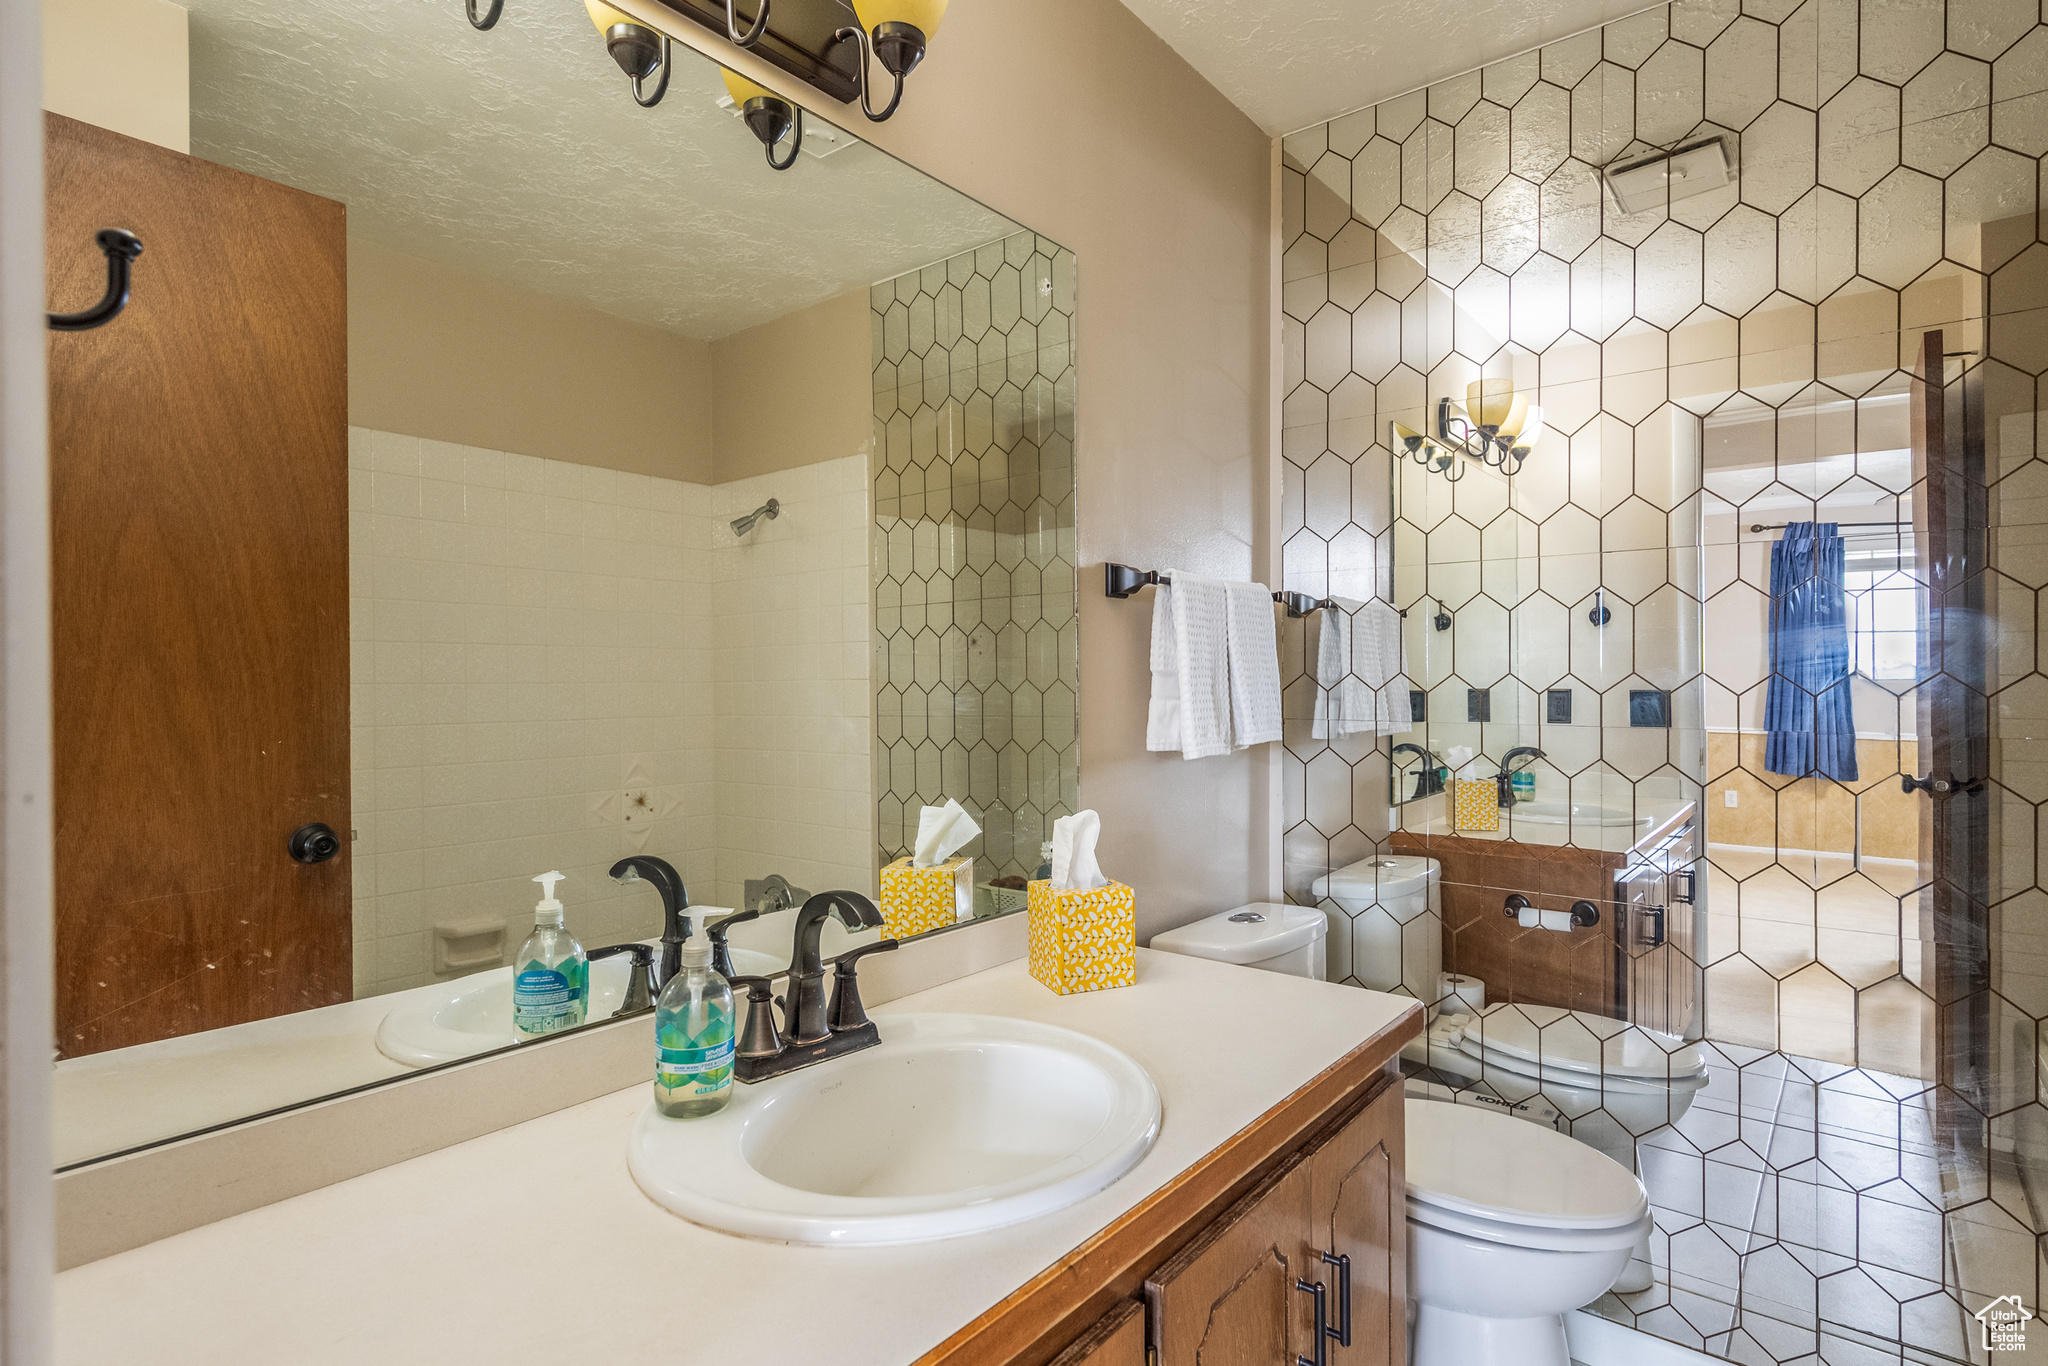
<point x="1584" y="914"/>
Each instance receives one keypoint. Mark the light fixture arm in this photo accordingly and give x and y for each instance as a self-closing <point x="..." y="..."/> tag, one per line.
<point x="796" y="144"/>
<point x="646" y="101"/>
<point x="489" y="16"/>
<point x="866" y="55"/>
<point x="732" y="24"/>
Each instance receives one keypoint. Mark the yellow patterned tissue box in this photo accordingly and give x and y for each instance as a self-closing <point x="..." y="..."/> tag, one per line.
<point x="1083" y="941"/>
<point x="918" y="899"/>
<point x="1475" y="805"/>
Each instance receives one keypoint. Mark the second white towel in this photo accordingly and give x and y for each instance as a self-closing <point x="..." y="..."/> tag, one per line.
<point x="1361" y="678"/>
<point x="1215" y="667"/>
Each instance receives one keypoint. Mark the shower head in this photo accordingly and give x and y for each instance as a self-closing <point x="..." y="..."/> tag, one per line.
<point x="770" y="509"/>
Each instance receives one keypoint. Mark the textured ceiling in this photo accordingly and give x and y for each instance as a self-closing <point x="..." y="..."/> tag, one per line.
<point x="1291" y="63"/>
<point x="519" y="153"/>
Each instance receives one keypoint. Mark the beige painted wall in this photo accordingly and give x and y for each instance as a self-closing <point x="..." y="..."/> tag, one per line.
<point x="439" y="352"/>
<point x="120" y="64"/>
<point x="794" y="390"/>
<point x="1162" y="190"/>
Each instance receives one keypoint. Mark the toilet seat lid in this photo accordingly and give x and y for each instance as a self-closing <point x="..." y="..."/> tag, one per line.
<point x="1474" y="1162"/>
<point x="1576" y="1041"/>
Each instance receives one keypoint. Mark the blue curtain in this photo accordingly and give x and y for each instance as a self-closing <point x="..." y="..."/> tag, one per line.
<point x="1807" y="720"/>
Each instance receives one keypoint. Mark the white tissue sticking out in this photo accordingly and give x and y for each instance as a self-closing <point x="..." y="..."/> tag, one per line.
<point x="1458" y="759"/>
<point x="1074" y="868"/>
<point x="941" y="832"/>
<point x="1558" y="920"/>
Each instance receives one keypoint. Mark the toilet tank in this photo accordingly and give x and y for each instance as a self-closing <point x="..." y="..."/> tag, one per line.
<point x="1265" y="935"/>
<point x="1396" y="922"/>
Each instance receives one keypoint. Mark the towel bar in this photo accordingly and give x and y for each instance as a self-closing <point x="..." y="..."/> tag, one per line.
<point x="1120" y="581"/>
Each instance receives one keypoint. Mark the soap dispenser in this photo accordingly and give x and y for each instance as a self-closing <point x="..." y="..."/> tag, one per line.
<point x="693" y="1038"/>
<point x="551" y="976"/>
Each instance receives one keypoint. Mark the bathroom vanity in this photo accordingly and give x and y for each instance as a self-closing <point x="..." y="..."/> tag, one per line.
<point x="1643" y="882"/>
<point x="1281" y="1140"/>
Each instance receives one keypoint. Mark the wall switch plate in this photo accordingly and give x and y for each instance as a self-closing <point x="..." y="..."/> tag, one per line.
<point x="1649" y="707"/>
<point x="1478" y="704"/>
<point x="1557" y="706"/>
<point x="1730" y="797"/>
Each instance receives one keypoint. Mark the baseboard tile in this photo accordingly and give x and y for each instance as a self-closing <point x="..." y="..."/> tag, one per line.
<point x="1595" y="1341"/>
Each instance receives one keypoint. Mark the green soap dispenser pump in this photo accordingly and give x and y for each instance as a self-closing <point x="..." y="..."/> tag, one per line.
<point x="551" y="976"/>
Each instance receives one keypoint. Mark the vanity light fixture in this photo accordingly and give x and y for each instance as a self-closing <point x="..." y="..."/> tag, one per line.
<point x="897" y="32"/>
<point x="771" y="117"/>
<point x="638" y="49"/>
<point x="1496" y="427"/>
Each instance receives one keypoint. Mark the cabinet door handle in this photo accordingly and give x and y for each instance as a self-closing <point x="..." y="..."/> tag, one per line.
<point x="1322" y="1331"/>
<point x="1342" y="1261"/>
<point x="1654" y="937"/>
<point x="1686" y="898"/>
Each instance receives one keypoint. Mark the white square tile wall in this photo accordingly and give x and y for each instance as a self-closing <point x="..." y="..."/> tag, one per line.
<point x="535" y="653"/>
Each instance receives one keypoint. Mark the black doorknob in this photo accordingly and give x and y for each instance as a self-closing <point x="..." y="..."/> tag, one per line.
<point x="315" y="843"/>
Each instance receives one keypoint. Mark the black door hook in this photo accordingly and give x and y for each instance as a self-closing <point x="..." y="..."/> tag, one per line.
<point x="121" y="247"/>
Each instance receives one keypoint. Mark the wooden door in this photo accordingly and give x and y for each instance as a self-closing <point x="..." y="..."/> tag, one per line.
<point x="1358" y="1204"/>
<point x="199" y="502"/>
<point x="1229" y="1297"/>
<point x="1117" y="1339"/>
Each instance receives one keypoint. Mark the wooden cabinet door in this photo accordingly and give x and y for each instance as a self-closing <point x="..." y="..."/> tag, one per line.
<point x="1358" y="1204"/>
<point x="1117" y="1339"/>
<point x="1229" y="1297"/>
<point x="199" y="558"/>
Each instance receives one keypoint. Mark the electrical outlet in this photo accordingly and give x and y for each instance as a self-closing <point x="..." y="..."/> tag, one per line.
<point x="1730" y="797"/>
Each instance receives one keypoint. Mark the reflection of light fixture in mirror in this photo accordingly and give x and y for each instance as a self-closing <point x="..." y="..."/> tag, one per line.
<point x="896" y="32"/>
<point x="1496" y="427"/>
<point x="771" y="117"/>
<point x="752" y="35"/>
<point x="770" y="509"/>
<point x="488" y="17"/>
<point x="638" y="50"/>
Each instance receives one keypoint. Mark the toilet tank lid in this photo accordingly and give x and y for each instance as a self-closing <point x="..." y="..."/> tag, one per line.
<point x="1276" y="930"/>
<point x="1382" y="875"/>
<point x="1479" y="1162"/>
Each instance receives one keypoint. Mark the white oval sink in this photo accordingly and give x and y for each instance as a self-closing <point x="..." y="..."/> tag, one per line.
<point x="473" y="1014"/>
<point x="1572" y="813"/>
<point x="953" y="1124"/>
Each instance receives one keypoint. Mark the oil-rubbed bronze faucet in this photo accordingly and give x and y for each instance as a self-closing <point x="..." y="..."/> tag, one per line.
<point x="813" y="1028"/>
<point x="1507" y="772"/>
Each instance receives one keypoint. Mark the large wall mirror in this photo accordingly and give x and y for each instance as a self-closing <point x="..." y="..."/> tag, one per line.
<point x="510" y="478"/>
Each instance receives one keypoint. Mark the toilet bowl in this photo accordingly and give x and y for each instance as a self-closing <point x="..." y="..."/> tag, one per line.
<point x="1510" y="1227"/>
<point x="1604" y="1081"/>
<point x="1397" y="936"/>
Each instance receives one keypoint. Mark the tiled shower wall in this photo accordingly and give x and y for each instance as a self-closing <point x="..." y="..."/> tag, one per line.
<point x="977" y="644"/>
<point x="538" y="654"/>
<point x="1888" y="164"/>
<point x="1462" y="231"/>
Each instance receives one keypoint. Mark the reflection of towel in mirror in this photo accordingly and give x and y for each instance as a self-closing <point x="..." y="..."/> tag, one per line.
<point x="1361" y="678"/>
<point x="1254" y="665"/>
<point x="1190" y="709"/>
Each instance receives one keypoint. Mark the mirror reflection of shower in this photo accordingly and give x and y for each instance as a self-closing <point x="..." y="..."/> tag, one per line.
<point x="770" y="510"/>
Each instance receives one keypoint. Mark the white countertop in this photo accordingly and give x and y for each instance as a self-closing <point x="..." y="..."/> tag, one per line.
<point x="533" y="1245"/>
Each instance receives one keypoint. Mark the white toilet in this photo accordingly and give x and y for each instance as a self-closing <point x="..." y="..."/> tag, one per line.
<point x="1265" y="935"/>
<point x="1397" y="932"/>
<point x="1510" y="1227"/>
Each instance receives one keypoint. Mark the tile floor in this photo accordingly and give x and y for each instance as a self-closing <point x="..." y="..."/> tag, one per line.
<point x="1803" y="1217"/>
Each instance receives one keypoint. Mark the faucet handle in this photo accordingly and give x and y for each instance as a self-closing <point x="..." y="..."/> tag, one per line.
<point x="721" y="956"/>
<point x="845" y="1011"/>
<point x="759" y="1038"/>
<point x="639" y="981"/>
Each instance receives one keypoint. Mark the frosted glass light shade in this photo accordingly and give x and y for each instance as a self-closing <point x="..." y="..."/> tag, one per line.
<point x="924" y="14"/>
<point x="604" y="16"/>
<point x="1490" y="401"/>
<point x="741" y="89"/>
